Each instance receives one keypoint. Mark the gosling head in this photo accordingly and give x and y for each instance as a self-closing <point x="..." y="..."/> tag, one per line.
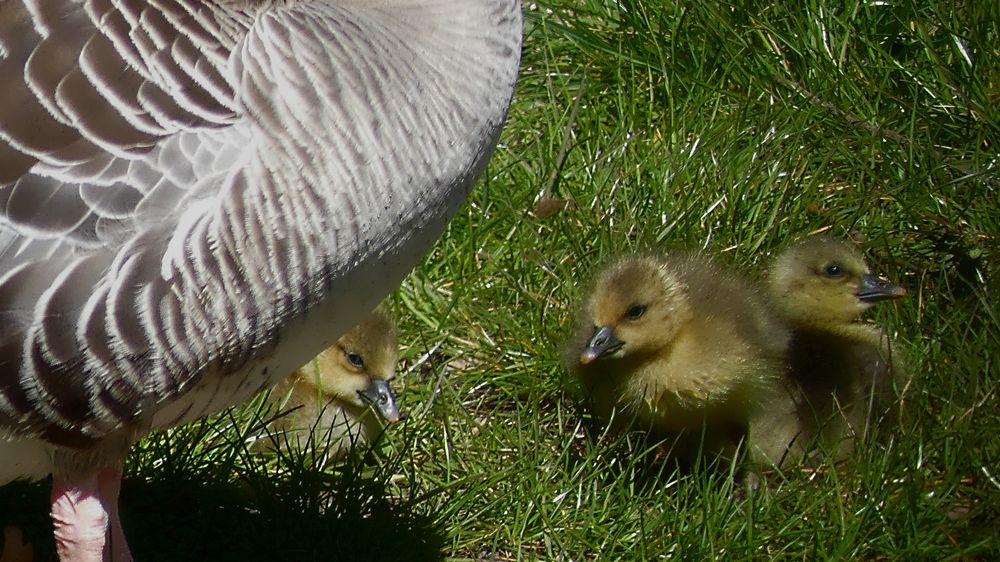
<point x="636" y="308"/>
<point x="824" y="281"/>
<point x="358" y="367"/>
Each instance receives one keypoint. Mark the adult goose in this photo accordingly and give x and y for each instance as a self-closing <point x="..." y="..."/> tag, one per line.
<point x="190" y="188"/>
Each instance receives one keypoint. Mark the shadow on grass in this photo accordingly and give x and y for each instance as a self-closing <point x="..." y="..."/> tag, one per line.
<point x="316" y="516"/>
<point x="650" y="459"/>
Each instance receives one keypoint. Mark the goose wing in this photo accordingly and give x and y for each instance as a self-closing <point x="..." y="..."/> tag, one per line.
<point x="115" y="120"/>
<point x="182" y="180"/>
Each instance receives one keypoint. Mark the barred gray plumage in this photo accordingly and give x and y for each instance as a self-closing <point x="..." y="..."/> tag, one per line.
<point x="190" y="188"/>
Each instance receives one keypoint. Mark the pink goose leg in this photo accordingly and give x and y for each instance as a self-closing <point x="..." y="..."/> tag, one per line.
<point x="85" y="517"/>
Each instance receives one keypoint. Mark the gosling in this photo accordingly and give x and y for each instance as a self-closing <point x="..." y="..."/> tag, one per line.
<point x="327" y="404"/>
<point x="677" y="346"/>
<point x="843" y="376"/>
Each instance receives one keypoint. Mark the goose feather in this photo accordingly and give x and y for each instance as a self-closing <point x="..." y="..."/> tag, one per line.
<point x="189" y="187"/>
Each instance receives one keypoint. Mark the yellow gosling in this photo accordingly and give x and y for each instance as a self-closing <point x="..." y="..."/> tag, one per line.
<point x="677" y="345"/>
<point x="843" y="373"/>
<point x="331" y="401"/>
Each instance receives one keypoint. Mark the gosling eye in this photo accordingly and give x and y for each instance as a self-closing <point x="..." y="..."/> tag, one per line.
<point x="834" y="270"/>
<point x="356" y="360"/>
<point x="635" y="312"/>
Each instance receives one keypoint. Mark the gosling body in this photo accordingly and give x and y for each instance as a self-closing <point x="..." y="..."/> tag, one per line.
<point x="677" y="345"/>
<point x="339" y="400"/>
<point x="844" y="375"/>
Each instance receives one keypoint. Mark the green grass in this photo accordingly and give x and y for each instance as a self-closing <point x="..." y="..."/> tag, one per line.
<point x="733" y="128"/>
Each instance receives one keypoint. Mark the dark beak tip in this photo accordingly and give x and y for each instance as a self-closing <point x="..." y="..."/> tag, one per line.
<point x="602" y="344"/>
<point x="874" y="289"/>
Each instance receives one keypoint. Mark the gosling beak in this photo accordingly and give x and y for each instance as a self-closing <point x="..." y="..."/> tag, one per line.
<point x="603" y="343"/>
<point x="379" y="395"/>
<point x="873" y="289"/>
